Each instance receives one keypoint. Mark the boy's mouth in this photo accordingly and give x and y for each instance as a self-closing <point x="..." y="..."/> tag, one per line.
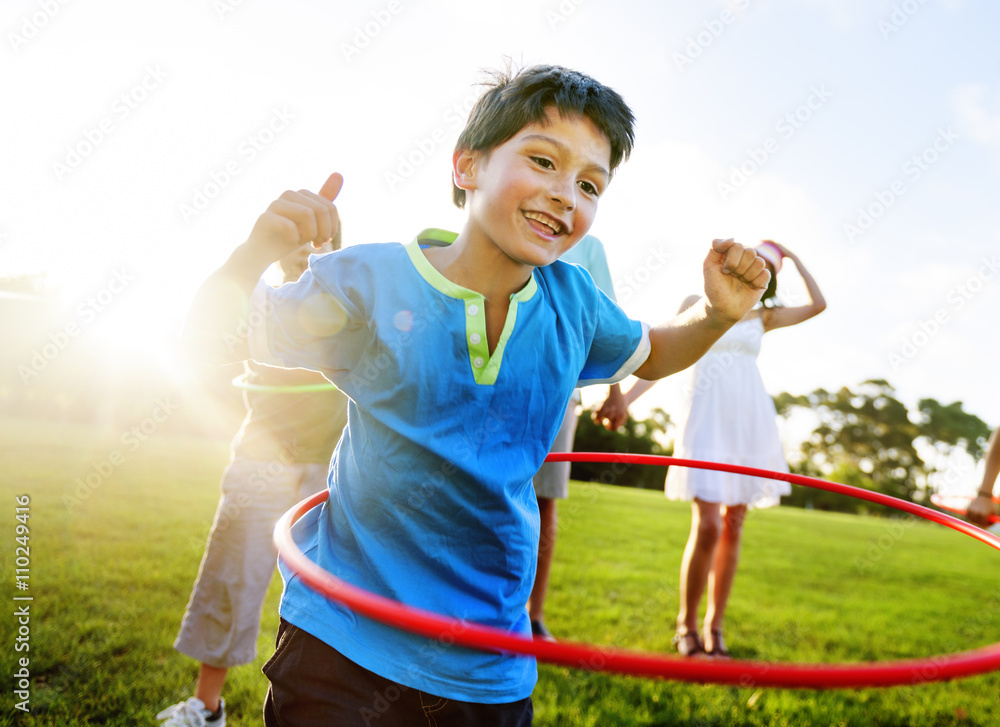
<point x="549" y="224"/>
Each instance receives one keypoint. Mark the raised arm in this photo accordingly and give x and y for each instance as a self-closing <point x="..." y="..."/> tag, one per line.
<point x="216" y="328"/>
<point x="983" y="506"/>
<point x="735" y="279"/>
<point x="781" y="317"/>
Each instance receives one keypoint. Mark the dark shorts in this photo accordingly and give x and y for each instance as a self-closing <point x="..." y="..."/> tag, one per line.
<point x="313" y="685"/>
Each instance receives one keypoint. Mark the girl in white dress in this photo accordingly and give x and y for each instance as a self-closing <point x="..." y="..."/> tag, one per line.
<point x="728" y="417"/>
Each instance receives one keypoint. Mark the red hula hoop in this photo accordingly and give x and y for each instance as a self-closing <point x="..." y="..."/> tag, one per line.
<point x="585" y="656"/>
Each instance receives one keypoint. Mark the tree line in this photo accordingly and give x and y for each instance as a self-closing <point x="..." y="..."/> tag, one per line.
<point x="863" y="436"/>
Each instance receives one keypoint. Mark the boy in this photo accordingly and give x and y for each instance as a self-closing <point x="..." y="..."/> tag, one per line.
<point x="459" y="362"/>
<point x="279" y="456"/>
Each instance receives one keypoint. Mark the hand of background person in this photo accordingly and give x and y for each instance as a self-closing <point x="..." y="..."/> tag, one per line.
<point x="735" y="278"/>
<point x="613" y="413"/>
<point x="785" y="252"/>
<point x="296" y="219"/>
<point x="215" y="330"/>
<point x="980" y="510"/>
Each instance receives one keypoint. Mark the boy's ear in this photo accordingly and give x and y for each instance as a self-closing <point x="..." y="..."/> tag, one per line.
<point x="465" y="162"/>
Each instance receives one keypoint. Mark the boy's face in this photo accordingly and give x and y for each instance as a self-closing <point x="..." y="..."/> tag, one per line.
<point x="535" y="195"/>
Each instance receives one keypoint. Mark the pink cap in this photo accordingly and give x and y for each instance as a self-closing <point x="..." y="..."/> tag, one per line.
<point x="770" y="252"/>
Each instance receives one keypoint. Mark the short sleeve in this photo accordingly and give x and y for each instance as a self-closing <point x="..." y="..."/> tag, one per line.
<point x="620" y="345"/>
<point x="315" y="323"/>
<point x="614" y="345"/>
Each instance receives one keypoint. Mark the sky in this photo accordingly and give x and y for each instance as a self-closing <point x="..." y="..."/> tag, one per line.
<point x="140" y="141"/>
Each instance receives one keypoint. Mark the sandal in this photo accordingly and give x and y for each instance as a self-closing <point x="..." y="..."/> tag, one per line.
<point x="688" y="643"/>
<point x="718" y="645"/>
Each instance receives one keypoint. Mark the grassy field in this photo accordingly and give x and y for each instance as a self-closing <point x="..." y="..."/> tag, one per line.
<point x="113" y="558"/>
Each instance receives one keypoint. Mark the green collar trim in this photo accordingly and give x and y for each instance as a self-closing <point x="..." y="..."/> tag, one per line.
<point x="431" y="274"/>
<point x="485" y="368"/>
<point x="436" y="237"/>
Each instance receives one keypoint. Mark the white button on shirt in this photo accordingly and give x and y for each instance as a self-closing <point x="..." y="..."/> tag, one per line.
<point x="473" y="309"/>
<point x="478" y="362"/>
<point x="475" y="338"/>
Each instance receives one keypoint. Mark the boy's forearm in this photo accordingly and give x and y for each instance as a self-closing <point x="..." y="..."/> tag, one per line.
<point x="679" y="343"/>
<point x="217" y="325"/>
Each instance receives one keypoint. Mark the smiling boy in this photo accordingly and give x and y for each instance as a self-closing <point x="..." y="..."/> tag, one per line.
<point x="459" y="362"/>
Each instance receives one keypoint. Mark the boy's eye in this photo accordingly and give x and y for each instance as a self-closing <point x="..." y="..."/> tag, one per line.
<point x="542" y="162"/>
<point x="589" y="188"/>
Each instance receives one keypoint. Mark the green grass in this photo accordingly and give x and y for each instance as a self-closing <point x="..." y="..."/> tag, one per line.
<point x="112" y="567"/>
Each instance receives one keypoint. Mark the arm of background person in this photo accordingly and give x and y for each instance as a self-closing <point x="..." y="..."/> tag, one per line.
<point x="983" y="506"/>
<point x="782" y="317"/>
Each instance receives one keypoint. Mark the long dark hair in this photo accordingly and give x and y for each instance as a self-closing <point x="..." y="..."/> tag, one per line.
<point x="770" y="297"/>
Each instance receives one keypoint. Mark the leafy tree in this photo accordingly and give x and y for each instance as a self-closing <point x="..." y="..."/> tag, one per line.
<point x="634" y="437"/>
<point x="948" y="426"/>
<point x="868" y="438"/>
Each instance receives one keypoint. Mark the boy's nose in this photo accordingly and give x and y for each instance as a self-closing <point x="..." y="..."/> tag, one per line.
<point x="563" y="192"/>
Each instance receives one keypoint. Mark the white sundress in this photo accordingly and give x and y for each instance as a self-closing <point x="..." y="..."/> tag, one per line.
<point x="729" y="417"/>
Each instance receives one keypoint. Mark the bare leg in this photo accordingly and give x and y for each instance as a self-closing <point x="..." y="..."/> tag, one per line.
<point x="698" y="553"/>
<point x="210" y="682"/>
<point x="548" y="512"/>
<point x="727" y="557"/>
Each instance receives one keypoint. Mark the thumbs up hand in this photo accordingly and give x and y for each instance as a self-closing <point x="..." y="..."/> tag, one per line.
<point x="296" y="219"/>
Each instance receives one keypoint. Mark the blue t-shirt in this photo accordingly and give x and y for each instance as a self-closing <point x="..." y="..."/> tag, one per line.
<point x="431" y="502"/>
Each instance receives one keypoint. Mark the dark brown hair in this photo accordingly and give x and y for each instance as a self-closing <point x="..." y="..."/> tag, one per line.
<point x="515" y="99"/>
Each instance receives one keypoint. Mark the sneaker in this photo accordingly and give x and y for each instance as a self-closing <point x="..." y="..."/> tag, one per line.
<point x="192" y="713"/>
